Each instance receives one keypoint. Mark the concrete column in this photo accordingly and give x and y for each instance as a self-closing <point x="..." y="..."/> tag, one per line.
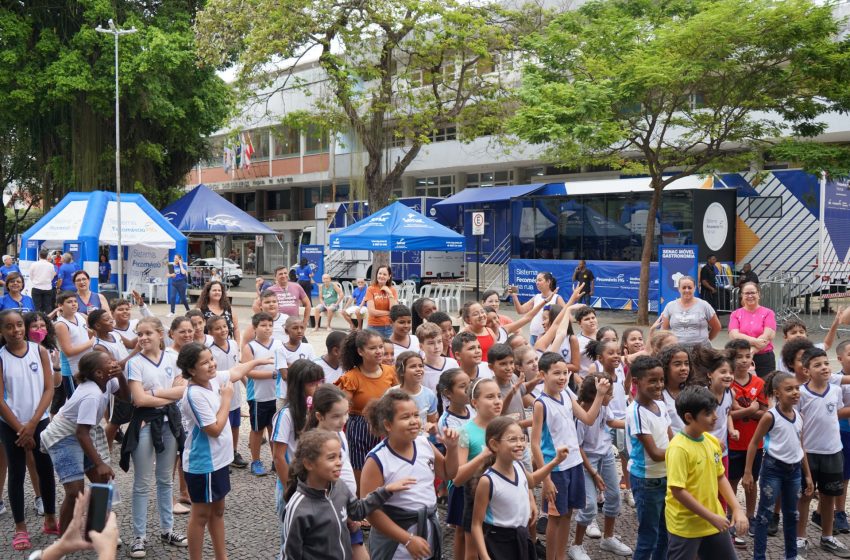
<point x="460" y="181"/>
<point x="519" y="176"/>
<point x="408" y="186"/>
<point x="260" y="204"/>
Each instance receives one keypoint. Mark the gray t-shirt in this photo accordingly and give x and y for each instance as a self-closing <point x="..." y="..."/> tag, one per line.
<point x="689" y="325"/>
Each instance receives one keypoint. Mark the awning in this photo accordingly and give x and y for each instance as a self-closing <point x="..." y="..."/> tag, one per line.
<point x="203" y="211"/>
<point x="491" y="194"/>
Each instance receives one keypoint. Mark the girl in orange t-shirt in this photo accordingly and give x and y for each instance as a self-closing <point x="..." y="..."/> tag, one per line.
<point x="380" y="297"/>
<point x="364" y="380"/>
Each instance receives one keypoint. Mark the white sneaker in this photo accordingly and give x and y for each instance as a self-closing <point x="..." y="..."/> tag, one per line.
<point x="802" y="548"/>
<point x="593" y="531"/>
<point x="39" y="507"/>
<point x="169" y="316"/>
<point x="614" y="545"/>
<point x="577" y="552"/>
<point x="2" y="508"/>
<point x="629" y="497"/>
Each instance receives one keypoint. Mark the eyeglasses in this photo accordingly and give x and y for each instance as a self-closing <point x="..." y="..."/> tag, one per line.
<point x="750" y="293"/>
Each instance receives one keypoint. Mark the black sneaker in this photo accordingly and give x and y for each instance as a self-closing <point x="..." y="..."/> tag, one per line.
<point x="542" y="523"/>
<point x="119" y="436"/>
<point x="773" y="525"/>
<point x="816" y="519"/>
<point x="752" y="529"/>
<point x="238" y="461"/>
<point x="540" y="548"/>
<point x="174" y="539"/>
<point x="831" y="544"/>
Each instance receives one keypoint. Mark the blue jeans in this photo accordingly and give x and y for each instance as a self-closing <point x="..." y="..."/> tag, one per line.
<point x="178" y="294"/>
<point x="649" y="494"/>
<point x="143" y="469"/>
<point x="605" y="465"/>
<point x="777" y="478"/>
<point x="385" y="331"/>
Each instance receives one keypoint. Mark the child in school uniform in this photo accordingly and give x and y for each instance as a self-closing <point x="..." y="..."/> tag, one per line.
<point x="331" y="362"/>
<point x="407" y="525"/>
<point x="553" y="426"/>
<point x="402" y="323"/>
<point x="431" y="344"/>
<point x="504" y="502"/>
<point x="783" y="466"/>
<point x="648" y="434"/>
<point x="208" y="452"/>
<point x="225" y="352"/>
<point x="695" y="518"/>
<point x="293" y="349"/>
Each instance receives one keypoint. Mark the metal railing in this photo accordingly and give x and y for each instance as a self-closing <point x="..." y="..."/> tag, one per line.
<point x="200" y="275"/>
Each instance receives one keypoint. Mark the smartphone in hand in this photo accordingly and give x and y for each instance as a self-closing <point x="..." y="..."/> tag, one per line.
<point x="100" y="506"/>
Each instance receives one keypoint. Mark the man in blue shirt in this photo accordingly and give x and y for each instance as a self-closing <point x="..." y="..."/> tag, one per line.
<point x="356" y="309"/>
<point x="65" y="275"/>
<point x="8" y="266"/>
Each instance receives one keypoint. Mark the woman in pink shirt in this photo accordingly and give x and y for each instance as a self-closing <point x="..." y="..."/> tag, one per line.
<point x="756" y="325"/>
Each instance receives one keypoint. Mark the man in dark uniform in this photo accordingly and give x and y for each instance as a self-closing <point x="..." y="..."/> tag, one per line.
<point x="708" y="282"/>
<point x="747" y="275"/>
<point x="584" y="275"/>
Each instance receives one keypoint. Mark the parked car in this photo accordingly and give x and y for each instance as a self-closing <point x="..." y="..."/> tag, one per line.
<point x="230" y="271"/>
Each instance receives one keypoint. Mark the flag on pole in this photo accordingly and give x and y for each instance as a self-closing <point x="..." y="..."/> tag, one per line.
<point x="227" y="158"/>
<point x="237" y="163"/>
<point x="247" y="151"/>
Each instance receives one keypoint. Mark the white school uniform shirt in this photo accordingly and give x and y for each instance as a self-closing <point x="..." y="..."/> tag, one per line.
<point x="331" y="374"/>
<point x="676" y="423"/>
<point x="584" y="359"/>
<point x="451" y="420"/>
<point x="509" y="506"/>
<point x="432" y="374"/>
<point x="536" y="326"/>
<point x="501" y="335"/>
<point x="821" y="434"/>
<point x="596" y="438"/>
<point x="153" y="375"/>
<point x="278" y="332"/>
<point x="303" y="352"/>
<point x="225" y="359"/>
<point x="721" y="427"/>
<point x="88" y="403"/>
<point x="413" y="346"/>
<point x="559" y="429"/>
<point x="393" y="467"/>
<point x="347" y="473"/>
<point x="23" y="381"/>
<point x="619" y="402"/>
<point x="642" y="420"/>
<point x="202" y="453"/>
<point x="283" y="431"/>
<point x="79" y="333"/>
<point x="263" y="390"/>
<point x="782" y="440"/>
<point x="114" y="345"/>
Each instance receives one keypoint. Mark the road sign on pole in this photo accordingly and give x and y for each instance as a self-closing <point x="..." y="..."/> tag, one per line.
<point x="478" y="232"/>
<point x="478" y="223"/>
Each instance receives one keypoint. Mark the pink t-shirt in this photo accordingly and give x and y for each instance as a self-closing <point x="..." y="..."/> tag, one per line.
<point x="753" y="323"/>
<point x="289" y="298"/>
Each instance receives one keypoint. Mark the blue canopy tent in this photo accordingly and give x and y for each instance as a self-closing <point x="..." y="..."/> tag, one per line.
<point x="203" y="211"/>
<point x="82" y="222"/>
<point x="397" y="228"/>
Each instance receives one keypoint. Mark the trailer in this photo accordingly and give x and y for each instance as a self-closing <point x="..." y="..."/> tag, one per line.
<point x="419" y="266"/>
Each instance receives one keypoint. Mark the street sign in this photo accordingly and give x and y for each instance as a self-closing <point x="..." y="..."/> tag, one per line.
<point x="258" y="240"/>
<point x="478" y="223"/>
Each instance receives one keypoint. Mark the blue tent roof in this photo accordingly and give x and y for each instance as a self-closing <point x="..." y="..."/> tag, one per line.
<point x="491" y="194"/>
<point x="397" y="228"/>
<point x="203" y="211"/>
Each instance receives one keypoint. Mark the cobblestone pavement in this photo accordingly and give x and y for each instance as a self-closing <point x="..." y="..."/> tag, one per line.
<point x="251" y="522"/>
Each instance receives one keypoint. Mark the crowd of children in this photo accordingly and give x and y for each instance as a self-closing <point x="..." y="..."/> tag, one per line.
<point x="514" y="435"/>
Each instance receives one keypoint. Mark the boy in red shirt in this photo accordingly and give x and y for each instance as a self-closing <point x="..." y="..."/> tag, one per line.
<point x="748" y="390"/>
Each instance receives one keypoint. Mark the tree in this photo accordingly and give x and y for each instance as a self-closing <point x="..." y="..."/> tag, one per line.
<point x="57" y="85"/>
<point x="394" y="69"/>
<point x="678" y="87"/>
<point x="18" y="183"/>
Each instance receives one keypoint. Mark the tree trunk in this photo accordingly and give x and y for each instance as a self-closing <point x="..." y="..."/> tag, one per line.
<point x="379" y="196"/>
<point x="646" y="254"/>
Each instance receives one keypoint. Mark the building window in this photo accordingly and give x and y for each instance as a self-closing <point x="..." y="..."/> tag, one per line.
<point x="316" y="195"/>
<point x="441" y="186"/>
<point x="279" y="200"/>
<point x="260" y="141"/>
<point x="245" y="201"/>
<point x="317" y="140"/>
<point x="287" y="142"/>
<point x="395" y="138"/>
<point x="489" y="179"/>
<point x="443" y="134"/>
<point x="216" y="156"/>
<point x="765" y="207"/>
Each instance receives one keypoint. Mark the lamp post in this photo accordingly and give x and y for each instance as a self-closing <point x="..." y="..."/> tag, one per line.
<point x="115" y="32"/>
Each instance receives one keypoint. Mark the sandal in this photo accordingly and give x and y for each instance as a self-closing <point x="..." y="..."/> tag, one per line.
<point x="48" y="530"/>
<point x="21" y="541"/>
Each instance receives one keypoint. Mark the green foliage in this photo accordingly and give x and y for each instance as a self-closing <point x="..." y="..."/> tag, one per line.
<point x="57" y="82"/>
<point x="391" y="68"/>
<point x="814" y="157"/>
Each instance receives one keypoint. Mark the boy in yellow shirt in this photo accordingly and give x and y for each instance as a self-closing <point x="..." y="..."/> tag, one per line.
<point x="696" y="522"/>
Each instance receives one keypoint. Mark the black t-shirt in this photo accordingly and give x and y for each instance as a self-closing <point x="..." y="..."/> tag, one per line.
<point x="708" y="274"/>
<point x="585" y="276"/>
<point x="744" y="277"/>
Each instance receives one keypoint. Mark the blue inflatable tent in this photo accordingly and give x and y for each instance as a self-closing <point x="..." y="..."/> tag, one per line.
<point x="82" y="222"/>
